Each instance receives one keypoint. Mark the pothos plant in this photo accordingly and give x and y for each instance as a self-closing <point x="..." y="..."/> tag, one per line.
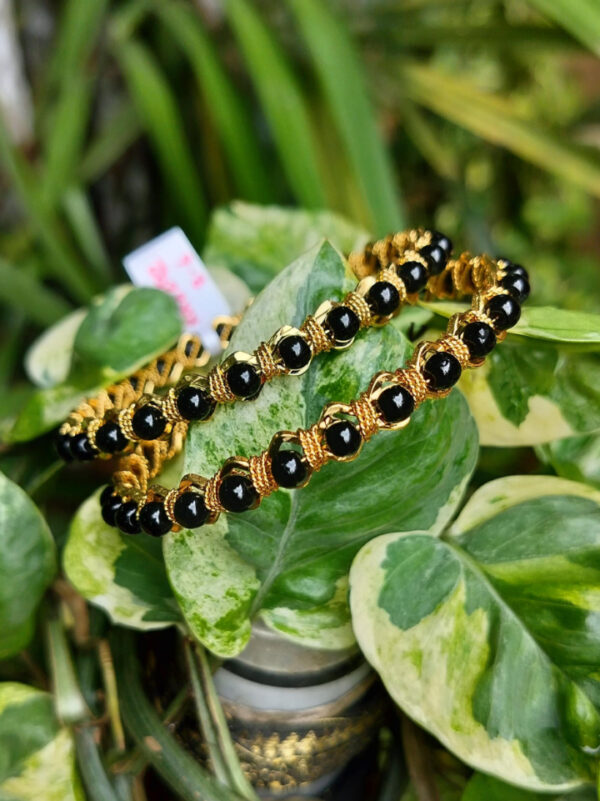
<point x="476" y="601"/>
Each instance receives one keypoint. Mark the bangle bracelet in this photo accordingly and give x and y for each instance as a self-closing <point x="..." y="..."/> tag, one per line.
<point x="393" y="271"/>
<point x="498" y="288"/>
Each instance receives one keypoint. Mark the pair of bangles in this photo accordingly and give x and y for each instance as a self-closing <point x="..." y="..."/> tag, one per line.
<point x="147" y="427"/>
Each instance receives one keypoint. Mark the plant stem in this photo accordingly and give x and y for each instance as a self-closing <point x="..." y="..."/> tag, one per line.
<point x="418" y="761"/>
<point x="92" y="770"/>
<point x="69" y="702"/>
<point x="112" y="698"/>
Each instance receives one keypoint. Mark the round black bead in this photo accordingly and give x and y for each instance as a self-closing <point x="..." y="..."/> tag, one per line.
<point x="436" y="258"/>
<point x="395" y="404"/>
<point x="383" y="298"/>
<point x="517" y="286"/>
<point x="81" y="448"/>
<point x="504" y="311"/>
<point x="295" y="352"/>
<point x="194" y="403"/>
<point x="110" y="438"/>
<point x="190" y="510"/>
<point x="62" y="443"/>
<point x="110" y="506"/>
<point x="237" y="493"/>
<point x="288" y="468"/>
<point x="244" y="380"/>
<point x="106" y="494"/>
<point x="343" y="323"/>
<point x="154" y="519"/>
<point x="480" y="338"/>
<point x="148" y="422"/>
<point x="442" y="370"/>
<point x="414" y="275"/>
<point x="442" y="241"/>
<point x="126" y="518"/>
<point x="343" y="439"/>
<point x="514" y="269"/>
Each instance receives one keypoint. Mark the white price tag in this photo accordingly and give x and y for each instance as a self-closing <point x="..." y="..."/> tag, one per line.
<point x="169" y="262"/>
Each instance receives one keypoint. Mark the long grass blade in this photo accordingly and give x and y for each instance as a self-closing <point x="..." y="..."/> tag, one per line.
<point x="282" y="103"/>
<point x="80" y="216"/>
<point x="22" y="291"/>
<point x="80" y="24"/>
<point x="118" y="133"/>
<point x="341" y="76"/>
<point x="579" y="17"/>
<point x="495" y="120"/>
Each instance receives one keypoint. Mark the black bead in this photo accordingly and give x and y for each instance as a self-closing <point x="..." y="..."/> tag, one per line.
<point x="436" y="258"/>
<point x="480" y="338"/>
<point x="154" y="519"/>
<point x="395" y="404"/>
<point x="110" y="506"/>
<point x="110" y="438"/>
<point x="343" y="439"/>
<point x="126" y="518"/>
<point x="237" y="493"/>
<point x="148" y="422"/>
<point x="516" y="285"/>
<point x="62" y="444"/>
<point x="106" y="494"/>
<point x="190" y="510"/>
<point x="414" y="275"/>
<point x="295" y="352"/>
<point x="442" y="241"/>
<point x="442" y="370"/>
<point x="82" y="449"/>
<point x="194" y="403"/>
<point x="504" y="311"/>
<point x="343" y="324"/>
<point x="244" y="380"/>
<point x="514" y="269"/>
<point x="288" y="468"/>
<point x="383" y="298"/>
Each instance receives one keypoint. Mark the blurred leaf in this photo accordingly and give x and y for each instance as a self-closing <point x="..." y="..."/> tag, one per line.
<point x="159" y="112"/>
<point x="581" y="18"/>
<point x="79" y="28"/>
<point x="282" y="102"/>
<point x="576" y="458"/>
<point x="37" y="758"/>
<point x="48" y="360"/>
<point x="257" y="242"/>
<point x="85" y="229"/>
<point x="495" y="120"/>
<point x="502" y="608"/>
<point x="123" y="575"/>
<point x="223" y="103"/>
<point x="23" y="291"/>
<point x="341" y="75"/>
<point x="118" y="132"/>
<point x="27" y="565"/>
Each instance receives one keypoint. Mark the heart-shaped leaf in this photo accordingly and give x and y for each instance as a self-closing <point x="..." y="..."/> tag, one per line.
<point x="121" y="574"/>
<point x="489" y="637"/>
<point x="297" y="547"/>
<point x="27" y="565"/>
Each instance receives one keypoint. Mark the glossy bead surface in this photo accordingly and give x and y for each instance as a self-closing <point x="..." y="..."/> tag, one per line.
<point x="441" y="370"/>
<point x="148" y="422"/>
<point x="190" y="510"/>
<point x="504" y="310"/>
<point x="110" y="438"/>
<point x="62" y="444"/>
<point x="414" y="275"/>
<point x="194" y="403"/>
<point x="343" y="438"/>
<point x="436" y="258"/>
<point x="480" y="338"/>
<point x="294" y="351"/>
<point x="383" y="298"/>
<point x="154" y="519"/>
<point x="343" y="323"/>
<point x="516" y="285"/>
<point x="81" y="448"/>
<point x="442" y="241"/>
<point x="243" y="379"/>
<point x="395" y="404"/>
<point x="514" y="269"/>
<point x="110" y="506"/>
<point x="106" y="494"/>
<point x="126" y="518"/>
<point x="237" y="493"/>
<point x="288" y="468"/>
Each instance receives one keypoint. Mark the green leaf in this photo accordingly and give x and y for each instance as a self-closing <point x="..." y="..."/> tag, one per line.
<point x="123" y="330"/>
<point x="340" y="72"/>
<point x="78" y="30"/>
<point x="23" y="291"/>
<point x="489" y="637"/>
<point x="487" y="787"/>
<point x="27" y="565"/>
<point x="37" y="757"/>
<point x="282" y="102"/>
<point x="577" y="458"/>
<point x="257" y="242"/>
<point x="582" y="19"/>
<point x="297" y="547"/>
<point x="123" y="575"/>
